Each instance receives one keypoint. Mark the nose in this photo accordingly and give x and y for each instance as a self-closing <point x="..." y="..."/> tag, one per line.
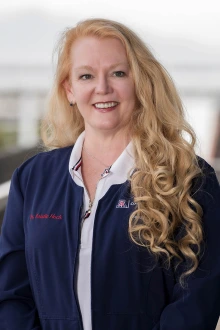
<point x="103" y="85"/>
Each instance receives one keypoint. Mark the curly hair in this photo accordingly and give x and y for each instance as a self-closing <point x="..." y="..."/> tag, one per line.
<point x="165" y="160"/>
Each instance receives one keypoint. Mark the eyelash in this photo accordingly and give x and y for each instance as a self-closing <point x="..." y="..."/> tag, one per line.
<point x="89" y="76"/>
<point x="83" y="77"/>
<point x="121" y="72"/>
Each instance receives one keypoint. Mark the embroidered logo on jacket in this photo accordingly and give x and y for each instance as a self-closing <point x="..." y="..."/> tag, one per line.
<point x="46" y="216"/>
<point x="124" y="204"/>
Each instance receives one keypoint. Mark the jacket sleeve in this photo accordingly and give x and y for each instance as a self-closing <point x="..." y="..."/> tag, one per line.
<point x="17" y="307"/>
<point x="197" y="307"/>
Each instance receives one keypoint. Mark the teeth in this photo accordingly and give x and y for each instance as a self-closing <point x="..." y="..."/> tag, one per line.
<point x="105" y="105"/>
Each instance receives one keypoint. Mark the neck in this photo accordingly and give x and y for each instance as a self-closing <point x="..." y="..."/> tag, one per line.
<point x="106" y="146"/>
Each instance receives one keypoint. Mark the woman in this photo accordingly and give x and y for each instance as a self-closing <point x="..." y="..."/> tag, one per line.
<point x="128" y="237"/>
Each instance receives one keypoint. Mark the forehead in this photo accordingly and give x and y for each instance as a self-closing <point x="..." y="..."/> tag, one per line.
<point x="91" y="50"/>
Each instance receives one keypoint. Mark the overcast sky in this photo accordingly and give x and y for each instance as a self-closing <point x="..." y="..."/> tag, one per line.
<point x="178" y="32"/>
<point x="194" y="19"/>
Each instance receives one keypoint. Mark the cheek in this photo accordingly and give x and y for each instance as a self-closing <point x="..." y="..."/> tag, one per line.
<point x="128" y="92"/>
<point x="82" y="96"/>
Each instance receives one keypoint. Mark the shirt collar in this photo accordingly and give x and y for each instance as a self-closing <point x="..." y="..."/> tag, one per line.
<point x="75" y="157"/>
<point x="121" y="168"/>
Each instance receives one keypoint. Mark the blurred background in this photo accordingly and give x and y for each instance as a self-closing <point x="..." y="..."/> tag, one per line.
<point x="184" y="36"/>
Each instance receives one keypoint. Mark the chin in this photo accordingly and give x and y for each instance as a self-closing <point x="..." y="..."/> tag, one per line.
<point x="106" y="126"/>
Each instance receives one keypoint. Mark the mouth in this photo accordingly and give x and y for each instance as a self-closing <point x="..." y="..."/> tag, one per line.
<point x="105" y="106"/>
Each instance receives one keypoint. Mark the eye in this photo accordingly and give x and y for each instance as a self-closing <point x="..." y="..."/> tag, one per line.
<point x="119" y="73"/>
<point x="85" y="76"/>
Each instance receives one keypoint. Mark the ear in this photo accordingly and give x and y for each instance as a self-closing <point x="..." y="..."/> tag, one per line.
<point x="69" y="91"/>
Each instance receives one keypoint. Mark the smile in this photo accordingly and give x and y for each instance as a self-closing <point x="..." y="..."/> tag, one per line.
<point x="105" y="105"/>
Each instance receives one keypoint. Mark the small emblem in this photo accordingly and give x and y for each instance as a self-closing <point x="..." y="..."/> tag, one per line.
<point x="123" y="204"/>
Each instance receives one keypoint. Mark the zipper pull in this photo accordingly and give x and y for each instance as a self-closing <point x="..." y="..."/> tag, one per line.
<point x="88" y="212"/>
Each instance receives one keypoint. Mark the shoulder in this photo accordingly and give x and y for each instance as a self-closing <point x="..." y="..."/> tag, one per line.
<point x="56" y="156"/>
<point x="45" y="164"/>
<point x="206" y="188"/>
<point x="204" y="166"/>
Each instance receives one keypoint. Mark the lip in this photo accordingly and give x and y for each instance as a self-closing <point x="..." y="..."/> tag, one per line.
<point x="104" y="110"/>
<point x="110" y="101"/>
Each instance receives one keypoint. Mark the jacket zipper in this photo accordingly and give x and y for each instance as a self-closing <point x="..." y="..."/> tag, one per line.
<point x="89" y="210"/>
<point x="87" y="213"/>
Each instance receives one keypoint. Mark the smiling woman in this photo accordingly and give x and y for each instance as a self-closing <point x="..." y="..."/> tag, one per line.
<point x="101" y="85"/>
<point x="118" y="226"/>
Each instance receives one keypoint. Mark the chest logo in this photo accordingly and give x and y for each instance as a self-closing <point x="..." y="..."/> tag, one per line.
<point x="124" y="204"/>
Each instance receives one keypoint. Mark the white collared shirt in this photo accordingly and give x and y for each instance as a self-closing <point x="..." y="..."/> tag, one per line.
<point x="119" y="173"/>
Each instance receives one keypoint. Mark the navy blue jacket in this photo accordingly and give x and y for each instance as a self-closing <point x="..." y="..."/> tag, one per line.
<point x="39" y="247"/>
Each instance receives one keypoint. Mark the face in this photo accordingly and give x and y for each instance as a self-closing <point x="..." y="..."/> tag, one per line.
<point x="101" y="83"/>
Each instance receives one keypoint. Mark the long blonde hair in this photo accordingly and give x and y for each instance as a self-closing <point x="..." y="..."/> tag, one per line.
<point x="165" y="160"/>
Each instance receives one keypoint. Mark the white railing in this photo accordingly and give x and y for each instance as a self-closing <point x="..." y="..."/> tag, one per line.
<point x="4" y="191"/>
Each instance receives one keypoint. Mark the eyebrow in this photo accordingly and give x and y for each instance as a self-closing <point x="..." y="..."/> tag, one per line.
<point x="88" y="67"/>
